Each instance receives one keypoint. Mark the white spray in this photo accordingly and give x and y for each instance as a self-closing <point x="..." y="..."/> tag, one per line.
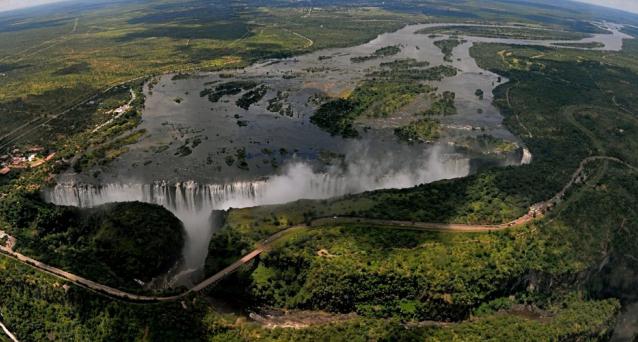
<point x="193" y="203"/>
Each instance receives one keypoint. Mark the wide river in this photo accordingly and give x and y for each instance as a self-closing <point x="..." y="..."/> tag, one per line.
<point x="189" y="158"/>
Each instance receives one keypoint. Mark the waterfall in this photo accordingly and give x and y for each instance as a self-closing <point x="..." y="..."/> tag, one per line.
<point x="186" y="196"/>
<point x="193" y="203"/>
<point x="527" y="157"/>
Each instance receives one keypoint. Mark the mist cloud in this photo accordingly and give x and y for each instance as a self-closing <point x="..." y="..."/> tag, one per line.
<point x="193" y="203"/>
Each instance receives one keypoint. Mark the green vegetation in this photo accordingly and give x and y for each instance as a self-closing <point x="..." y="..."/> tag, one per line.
<point x="384" y="98"/>
<point x="93" y="141"/>
<point x="56" y="59"/>
<point x="387" y="51"/>
<point x="422" y="130"/>
<point x="251" y="97"/>
<point x="404" y="64"/>
<point x="113" y="244"/>
<point x="505" y="32"/>
<point x="53" y="61"/>
<point x="373" y="98"/>
<point x="104" y="153"/>
<point x="183" y="151"/>
<point x="38" y="307"/>
<point x="384" y="93"/>
<point x="565" y="104"/>
<point x="279" y="104"/>
<point x="488" y="144"/>
<point x="240" y="156"/>
<point x="337" y="118"/>
<point x="345" y="269"/>
<point x="590" y="45"/>
<point x="420" y="276"/>
<point x="229" y="88"/>
<point x="479" y="93"/>
<point x="447" y="46"/>
<point x="442" y="104"/>
<point x="407" y="70"/>
<point x="564" y="109"/>
<point x="379" y="53"/>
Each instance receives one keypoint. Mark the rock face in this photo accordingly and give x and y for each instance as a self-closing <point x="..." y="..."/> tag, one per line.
<point x="137" y="240"/>
<point x="193" y="202"/>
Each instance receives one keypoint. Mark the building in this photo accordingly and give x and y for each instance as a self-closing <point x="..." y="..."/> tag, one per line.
<point x="35" y="149"/>
<point x="19" y="162"/>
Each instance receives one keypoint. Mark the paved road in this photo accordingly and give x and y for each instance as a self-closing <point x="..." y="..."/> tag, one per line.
<point x="11" y="336"/>
<point x="425" y="226"/>
<point x="536" y="211"/>
<point x="119" y="294"/>
<point x="263" y="246"/>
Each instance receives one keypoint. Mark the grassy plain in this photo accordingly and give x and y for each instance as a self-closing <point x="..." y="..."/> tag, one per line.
<point x="49" y="65"/>
<point x="58" y="57"/>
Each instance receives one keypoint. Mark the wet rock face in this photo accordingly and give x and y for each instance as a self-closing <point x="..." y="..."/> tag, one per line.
<point x="192" y="202"/>
<point x="137" y="240"/>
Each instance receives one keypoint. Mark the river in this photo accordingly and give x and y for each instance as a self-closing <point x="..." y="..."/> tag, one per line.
<point x="286" y="157"/>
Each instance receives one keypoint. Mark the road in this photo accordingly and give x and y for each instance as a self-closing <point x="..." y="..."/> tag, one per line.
<point x="12" y="139"/>
<point x="261" y="247"/>
<point x="518" y="119"/>
<point x="11" y="336"/>
<point x="121" y="110"/>
<point x="424" y="226"/>
<point x="535" y="212"/>
<point x="309" y="42"/>
<point x="119" y="294"/>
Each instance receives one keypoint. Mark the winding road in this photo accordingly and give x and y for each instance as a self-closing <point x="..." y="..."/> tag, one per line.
<point x="7" y="332"/>
<point x="536" y="211"/>
<point x="261" y="247"/>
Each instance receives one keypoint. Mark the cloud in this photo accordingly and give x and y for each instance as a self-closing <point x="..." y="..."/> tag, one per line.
<point x="625" y="5"/>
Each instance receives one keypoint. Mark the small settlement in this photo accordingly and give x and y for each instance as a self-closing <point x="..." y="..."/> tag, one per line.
<point x="28" y="157"/>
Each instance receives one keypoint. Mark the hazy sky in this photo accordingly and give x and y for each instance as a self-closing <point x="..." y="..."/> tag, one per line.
<point x="6" y="5"/>
<point x="627" y="5"/>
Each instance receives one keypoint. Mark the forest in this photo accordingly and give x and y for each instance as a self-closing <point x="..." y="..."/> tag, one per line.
<point x="116" y="244"/>
<point x="564" y="277"/>
<point x="348" y="268"/>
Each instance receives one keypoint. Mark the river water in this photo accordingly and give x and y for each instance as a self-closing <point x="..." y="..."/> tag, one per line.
<point x="288" y="158"/>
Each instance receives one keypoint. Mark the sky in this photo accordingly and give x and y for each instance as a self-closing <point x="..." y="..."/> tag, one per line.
<point x="7" y="5"/>
<point x="627" y="5"/>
